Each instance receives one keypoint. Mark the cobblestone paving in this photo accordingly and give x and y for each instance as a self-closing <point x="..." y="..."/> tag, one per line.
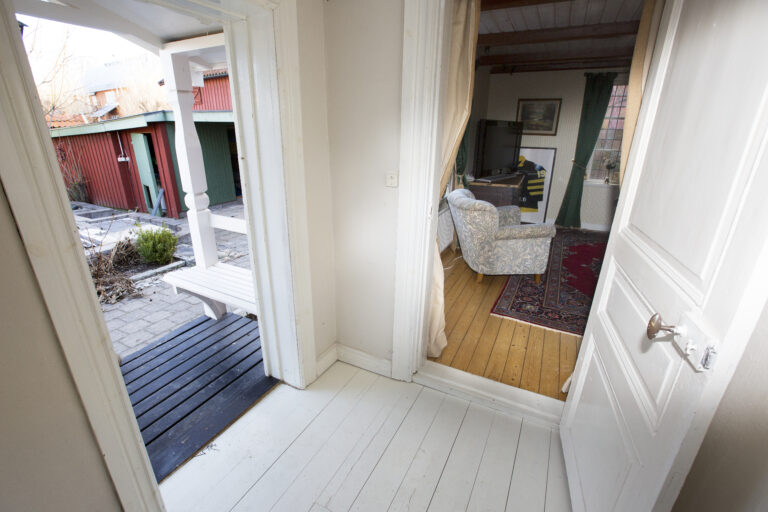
<point x="135" y="322"/>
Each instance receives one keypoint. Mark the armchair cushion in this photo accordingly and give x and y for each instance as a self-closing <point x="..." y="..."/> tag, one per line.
<point x="518" y="231"/>
<point x="508" y="215"/>
<point x="492" y="239"/>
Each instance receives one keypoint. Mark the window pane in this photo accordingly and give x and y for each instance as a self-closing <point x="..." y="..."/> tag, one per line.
<point x="606" y="156"/>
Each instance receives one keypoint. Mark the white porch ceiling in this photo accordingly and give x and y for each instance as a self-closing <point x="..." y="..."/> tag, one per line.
<point x="148" y="24"/>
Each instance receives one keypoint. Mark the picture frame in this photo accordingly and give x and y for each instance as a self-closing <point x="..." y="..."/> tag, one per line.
<point x="539" y="116"/>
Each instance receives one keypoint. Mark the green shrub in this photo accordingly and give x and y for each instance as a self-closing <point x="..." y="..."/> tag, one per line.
<point x="156" y="245"/>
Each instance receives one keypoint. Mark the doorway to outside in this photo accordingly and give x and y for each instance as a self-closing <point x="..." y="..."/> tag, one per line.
<point x="187" y="376"/>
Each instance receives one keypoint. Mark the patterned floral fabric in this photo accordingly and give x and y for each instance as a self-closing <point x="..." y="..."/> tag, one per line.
<point x="508" y="215"/>
<point x="492" y="239"/>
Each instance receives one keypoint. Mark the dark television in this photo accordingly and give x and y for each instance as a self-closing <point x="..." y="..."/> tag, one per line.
<point x="497" y="148"/>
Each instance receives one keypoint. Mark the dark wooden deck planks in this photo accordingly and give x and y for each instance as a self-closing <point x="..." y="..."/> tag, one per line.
<point x="172" y="449"/>
<point x="190" y="384"/>
<point x="181" y="352"/>
<point x="176" y="380"/>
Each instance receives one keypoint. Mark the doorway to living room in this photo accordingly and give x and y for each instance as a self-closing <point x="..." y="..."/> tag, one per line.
<point x="524" y="224"/>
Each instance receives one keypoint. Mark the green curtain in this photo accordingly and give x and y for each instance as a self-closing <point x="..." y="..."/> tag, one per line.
<point x="597" y="93"/>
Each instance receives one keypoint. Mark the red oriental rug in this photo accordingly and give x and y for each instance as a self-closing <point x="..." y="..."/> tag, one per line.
<point x="563" y="298"/>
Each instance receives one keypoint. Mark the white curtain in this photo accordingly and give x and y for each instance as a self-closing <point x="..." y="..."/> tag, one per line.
<point x="457" y="105"/>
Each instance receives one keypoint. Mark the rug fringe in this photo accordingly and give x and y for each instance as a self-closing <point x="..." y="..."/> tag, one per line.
<point x="536" y="325"/>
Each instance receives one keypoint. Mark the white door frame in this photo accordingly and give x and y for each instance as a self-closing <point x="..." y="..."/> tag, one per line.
<point x="424" y="59"/>
<point x="266" y="32"/>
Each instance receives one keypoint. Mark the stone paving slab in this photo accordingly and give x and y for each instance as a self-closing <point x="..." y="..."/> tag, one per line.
<point x="137" y="321"/>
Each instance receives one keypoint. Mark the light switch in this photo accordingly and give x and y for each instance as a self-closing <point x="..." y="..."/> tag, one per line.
<point x="392" y="180"/>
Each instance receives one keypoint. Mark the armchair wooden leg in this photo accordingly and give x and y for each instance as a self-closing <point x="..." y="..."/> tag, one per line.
<point x="537" y="278"/>
<point x="479" y="277"/>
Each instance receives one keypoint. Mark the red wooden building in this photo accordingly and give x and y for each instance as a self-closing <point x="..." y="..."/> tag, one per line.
<point x="126" y="162"/>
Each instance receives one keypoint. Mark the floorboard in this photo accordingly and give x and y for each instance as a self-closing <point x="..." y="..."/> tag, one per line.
<point x="418" y="486"/>
<point x="189" y="385"/>
<point x="501" y="349"/>
<point x="354" y="440"/>
<point x="237" y="459"/>
<point x="528" y="488"/>
<point x="458" y="477"/>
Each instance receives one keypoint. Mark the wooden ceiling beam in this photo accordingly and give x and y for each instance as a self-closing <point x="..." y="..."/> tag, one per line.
<point x="567" y="55"/>
<point x="563" y="66"/>
<point x="492" y="5"/>
<point x="550" y="35"/>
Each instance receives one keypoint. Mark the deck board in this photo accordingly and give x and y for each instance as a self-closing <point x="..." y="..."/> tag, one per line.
<point x="188" y="385"/>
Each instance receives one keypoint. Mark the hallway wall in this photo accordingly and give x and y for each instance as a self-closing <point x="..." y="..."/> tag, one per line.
<point x="364" y="58"/>
<point x="731" y="469"/>
<point x="51" y="460"/>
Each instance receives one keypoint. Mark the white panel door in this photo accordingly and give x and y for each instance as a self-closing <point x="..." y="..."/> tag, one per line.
<point x="688" y="242"/>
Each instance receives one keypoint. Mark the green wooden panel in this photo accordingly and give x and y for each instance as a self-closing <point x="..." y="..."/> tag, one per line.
<point x="172" y="142"/>
<point x="146" y="170"/>
<point x="216" y="158"/>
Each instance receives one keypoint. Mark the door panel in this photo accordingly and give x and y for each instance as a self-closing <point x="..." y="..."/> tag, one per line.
<point x="146" y="169"/>
<point x="680" y="246"/>
<point x="602" y="483"/>
<point x="652" y="366"/>
<point x="721" y="129"/>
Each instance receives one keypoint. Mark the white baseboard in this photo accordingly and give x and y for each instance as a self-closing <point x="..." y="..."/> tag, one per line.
<point x="365" y="361"/>
<point x="539" y="408"/>
<point x="595" y="227"/>
<point x="326" y="359"/>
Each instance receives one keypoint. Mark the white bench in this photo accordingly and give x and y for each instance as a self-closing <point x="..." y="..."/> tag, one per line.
<point x="216" y="286"/>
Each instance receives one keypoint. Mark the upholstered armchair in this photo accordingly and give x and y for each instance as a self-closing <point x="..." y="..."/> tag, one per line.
<point x="494" y="242"/>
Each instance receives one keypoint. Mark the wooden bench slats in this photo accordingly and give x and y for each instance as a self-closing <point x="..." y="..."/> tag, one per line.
<point x="220" y="282"/>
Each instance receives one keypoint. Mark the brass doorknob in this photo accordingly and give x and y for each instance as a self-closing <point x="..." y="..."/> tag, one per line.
<point x="656" y="324"/>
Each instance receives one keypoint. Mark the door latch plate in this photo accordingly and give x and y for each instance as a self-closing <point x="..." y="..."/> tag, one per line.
<point x="696" y="343"/>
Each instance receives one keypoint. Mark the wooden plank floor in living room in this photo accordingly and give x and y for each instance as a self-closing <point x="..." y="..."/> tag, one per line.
<point x="501" y="349"/>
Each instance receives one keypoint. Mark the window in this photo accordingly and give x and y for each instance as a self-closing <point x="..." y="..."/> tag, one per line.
<point x="604" y="164"/>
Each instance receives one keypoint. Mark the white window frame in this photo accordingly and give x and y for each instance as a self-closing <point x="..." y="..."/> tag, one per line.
<point x="621" y="79"/>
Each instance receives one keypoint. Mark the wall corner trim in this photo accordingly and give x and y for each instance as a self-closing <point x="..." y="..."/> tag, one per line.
<point x="364" y="360"/>
<point x="327" y="358"/>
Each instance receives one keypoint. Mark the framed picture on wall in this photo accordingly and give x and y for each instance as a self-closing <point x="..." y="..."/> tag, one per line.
<point x="536" y="165"/>
<point x="539" y="116"/>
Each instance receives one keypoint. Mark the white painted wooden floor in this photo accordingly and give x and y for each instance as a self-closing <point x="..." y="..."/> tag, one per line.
<point x="361" y="442"/>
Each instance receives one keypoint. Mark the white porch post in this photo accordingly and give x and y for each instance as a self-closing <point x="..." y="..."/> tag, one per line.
<point x="189" y="155"/>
